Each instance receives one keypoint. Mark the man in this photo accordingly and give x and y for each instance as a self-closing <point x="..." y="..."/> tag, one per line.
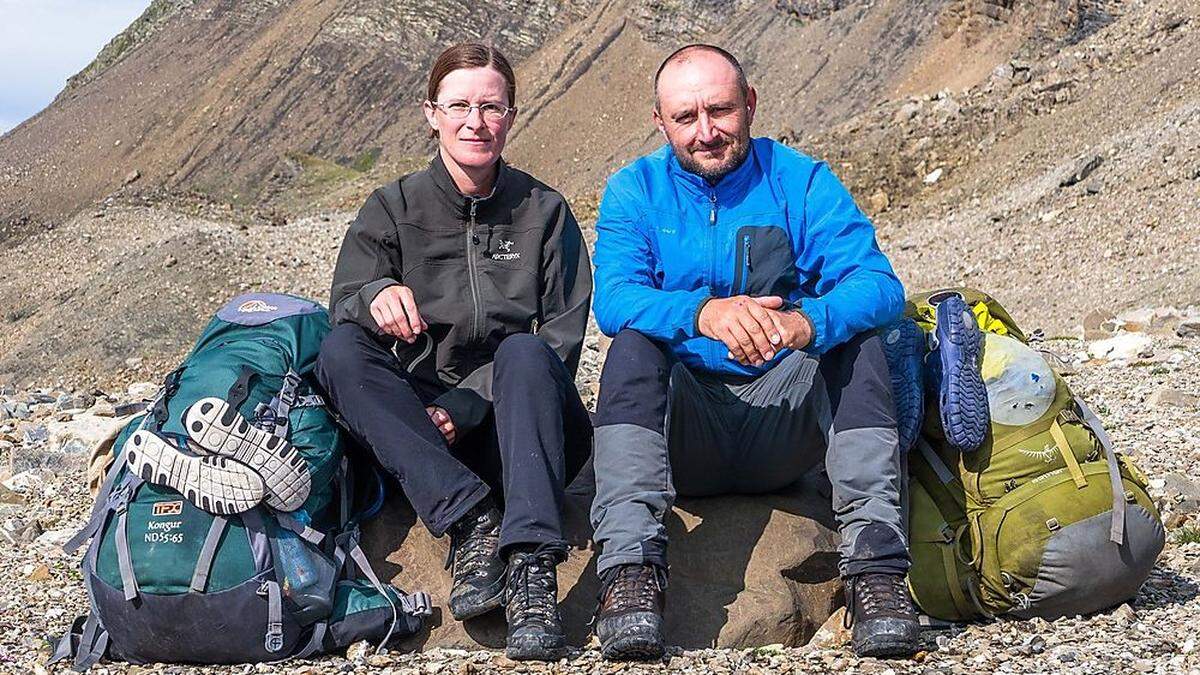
<point x="743" y="288"/>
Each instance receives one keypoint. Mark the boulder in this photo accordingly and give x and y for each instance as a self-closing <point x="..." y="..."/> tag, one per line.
<point x="746" y="571"/>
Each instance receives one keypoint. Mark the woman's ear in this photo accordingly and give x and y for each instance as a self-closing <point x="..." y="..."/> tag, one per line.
<point x="430" y="117"/>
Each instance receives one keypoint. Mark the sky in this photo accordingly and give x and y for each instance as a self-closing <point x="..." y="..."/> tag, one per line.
<point x="43" y="42"/>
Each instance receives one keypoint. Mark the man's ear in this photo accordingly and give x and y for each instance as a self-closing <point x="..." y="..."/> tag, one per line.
<point x="751" y="104"/>
<point x="658" y="122"/>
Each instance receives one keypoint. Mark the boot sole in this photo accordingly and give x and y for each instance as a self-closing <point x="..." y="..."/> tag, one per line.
<point x="638" y="642"/>
<point x="217" y="427"/>
<point x="212" y="484"/>
<point x="535" y="652"/>
<point x="489" y="604"/>
<point x="884" y="648"/>
<point x="962" y="395"/>
<point x="903" y="346"/>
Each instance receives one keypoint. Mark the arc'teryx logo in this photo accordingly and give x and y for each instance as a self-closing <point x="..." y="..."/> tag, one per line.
<point x="506" y="245"/>
<point x="252" y="306"/>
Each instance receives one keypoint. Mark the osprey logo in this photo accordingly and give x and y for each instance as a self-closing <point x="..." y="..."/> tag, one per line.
<point x="505" y="246"/>
<point x="1046" y="454"/>
<point x="255" y="306"/>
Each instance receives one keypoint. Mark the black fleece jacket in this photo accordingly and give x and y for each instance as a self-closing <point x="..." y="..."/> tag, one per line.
<point x="480" y="269"/>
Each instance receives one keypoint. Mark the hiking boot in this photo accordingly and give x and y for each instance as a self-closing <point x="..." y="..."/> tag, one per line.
<point x="904" y="348"/>
<point x="213" y="484"/>
<point x="882" y="615"/>
<point x="531" y="605"/>
<point x="217" y="427"/>
<point x="478" y="570"/>
<point x="629" y="619"/>
<point x="957" y="354"/>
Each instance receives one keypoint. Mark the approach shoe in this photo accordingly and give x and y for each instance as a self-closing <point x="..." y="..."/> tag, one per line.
<point x="904" y="347"/>
<point x="535" y="630"/>
<point x="882" y="615"/>
<point x="217" y="427"/>
<point x="213" y="484"/>
<point x="478" y="571"/>
<point x="629" y="619"/>
<point x="956" y="356"/>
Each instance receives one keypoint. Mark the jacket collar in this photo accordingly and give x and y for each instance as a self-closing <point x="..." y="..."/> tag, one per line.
<point x="731" y="183"/>
<point x="456" y="200"/>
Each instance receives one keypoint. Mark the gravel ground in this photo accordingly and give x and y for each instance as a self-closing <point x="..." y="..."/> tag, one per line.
<point x="1150" y="402"/>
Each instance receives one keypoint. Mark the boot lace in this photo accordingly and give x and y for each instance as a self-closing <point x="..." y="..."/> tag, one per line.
<point x="631" y="587"/>
<point x="872" y="595"/>
<point x="531" y="592"/>
<point x="473" y="545"/>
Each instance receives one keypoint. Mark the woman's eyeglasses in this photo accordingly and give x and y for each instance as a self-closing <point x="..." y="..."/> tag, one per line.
<point x="459" y="110"/>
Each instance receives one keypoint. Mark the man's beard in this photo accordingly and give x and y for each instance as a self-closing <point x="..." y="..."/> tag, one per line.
<point x="737" y="151"/>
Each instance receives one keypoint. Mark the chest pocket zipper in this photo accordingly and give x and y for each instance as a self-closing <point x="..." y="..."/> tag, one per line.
<point x="745" y="285"/>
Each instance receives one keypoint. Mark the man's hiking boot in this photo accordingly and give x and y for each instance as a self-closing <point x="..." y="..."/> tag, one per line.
<point x="475" y="560"/>
<point x="629" y="619"/>
<point x="531" y="605"/>
<point x="217" y="427"/>
<point x="957" y="356"/>
<point x="213" y="484"/>
<point x="882" y="615"/>
<point x="904" y="348"/>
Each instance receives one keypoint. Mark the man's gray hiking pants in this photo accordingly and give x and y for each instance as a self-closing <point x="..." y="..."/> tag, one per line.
<point x="663" y="429"/>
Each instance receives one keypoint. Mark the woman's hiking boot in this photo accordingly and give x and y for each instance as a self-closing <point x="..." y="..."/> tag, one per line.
<point x="629" y="618"/>
<point x="531" y="605"/>
<point x="217" y="427"/>
<point x="956" y="353"/>
<point x="213" y="484"/>
<point x="904" y="347"/>
<point x="882" y="615"/>
<point x="475" y="562"/>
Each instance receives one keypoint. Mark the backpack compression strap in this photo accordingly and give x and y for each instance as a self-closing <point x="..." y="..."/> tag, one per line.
<point x="1116" y="532"/>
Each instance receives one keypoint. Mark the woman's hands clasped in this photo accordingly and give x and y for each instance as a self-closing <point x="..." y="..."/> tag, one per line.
<point x="395" y="312"/>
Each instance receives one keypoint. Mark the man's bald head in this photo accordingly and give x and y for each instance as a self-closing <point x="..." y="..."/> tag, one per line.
<point x="701" y="52"/>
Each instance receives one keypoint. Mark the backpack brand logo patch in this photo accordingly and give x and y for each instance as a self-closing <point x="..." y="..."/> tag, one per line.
<point x="506" y="251"/>
<point x="254" y="306"/>
<point x="164" y="509"/>
<point x="1046" y="454"/>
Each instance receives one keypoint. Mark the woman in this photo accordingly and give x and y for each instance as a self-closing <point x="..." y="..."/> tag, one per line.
<point x="459" y="304"/>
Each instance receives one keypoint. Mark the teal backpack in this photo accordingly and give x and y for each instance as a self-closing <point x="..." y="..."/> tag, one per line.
<point x="169" y="582"/>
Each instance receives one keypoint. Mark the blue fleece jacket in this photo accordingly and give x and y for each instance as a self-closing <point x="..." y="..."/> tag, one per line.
<point x="780" y="224"/>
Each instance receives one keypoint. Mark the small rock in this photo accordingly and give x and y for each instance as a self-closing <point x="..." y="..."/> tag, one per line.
<point x="132" y="176"/>
<point x="1083" y="168"/>
<point x="1125" y="614"/>
<point x="1173" y="398"/>
<point x="1096" y="325"/>
<point x="142" y="391"/>
<point x="933" y="176"/>
<point x="133" y="362"/>
<point x="358" y="651"/>
<point x="8" y="496"/>
<point x="1188" y="328"/>
<point x="833" y="633"/>
<point x="103" y="408"/>
<point x="36" y="435"/>
<point x="879" y="202"/>
<point x="1123" y="346"/>
<point x="39" y="573"/>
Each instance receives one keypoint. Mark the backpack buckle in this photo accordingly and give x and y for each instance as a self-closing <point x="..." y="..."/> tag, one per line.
<point x="1053" y="525"/>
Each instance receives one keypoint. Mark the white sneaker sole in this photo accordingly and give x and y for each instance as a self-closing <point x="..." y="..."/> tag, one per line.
<point x="218" y="428"/>
<point x="213" y="484"/>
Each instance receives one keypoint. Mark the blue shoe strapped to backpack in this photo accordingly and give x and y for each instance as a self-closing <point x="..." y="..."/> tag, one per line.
<point x="955" y="357"/>
<point x="904" y="348"/>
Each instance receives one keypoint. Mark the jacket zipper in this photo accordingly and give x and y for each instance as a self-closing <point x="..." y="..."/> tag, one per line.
<point x="712" y="265"/>
<point x="745" y="264"/>
<point x="472" y="274"/>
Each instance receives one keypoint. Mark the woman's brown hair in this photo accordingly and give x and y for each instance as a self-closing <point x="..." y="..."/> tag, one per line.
<point x="471" y="55"/>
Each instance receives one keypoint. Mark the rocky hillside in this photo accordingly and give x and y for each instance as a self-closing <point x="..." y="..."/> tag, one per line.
<point x="1043" y="151"/>
<point x="237" y="99"/>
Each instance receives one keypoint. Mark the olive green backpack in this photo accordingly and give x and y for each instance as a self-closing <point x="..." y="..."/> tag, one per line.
<point x="1044" y="520"/>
